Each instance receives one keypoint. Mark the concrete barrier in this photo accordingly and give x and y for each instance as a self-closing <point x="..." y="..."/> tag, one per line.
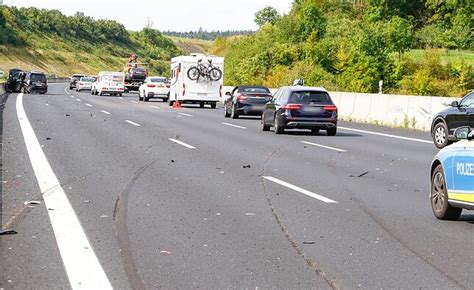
<point x="2" y="89"/>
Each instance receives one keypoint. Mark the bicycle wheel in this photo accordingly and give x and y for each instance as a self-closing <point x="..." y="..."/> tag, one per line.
<point x="215" y="74"/>
<point x="194" y="73"/>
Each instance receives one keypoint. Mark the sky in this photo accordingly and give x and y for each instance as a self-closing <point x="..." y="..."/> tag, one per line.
<point x="176" y="15"/>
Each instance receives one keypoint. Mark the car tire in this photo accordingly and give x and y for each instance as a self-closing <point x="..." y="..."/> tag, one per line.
<point x="213" y="105"/>
<point x="265" y="127"/>
<point x="201" y="105"/>
<point x="140" y="98"/>
<point x="440" y="135"/>
<point x="226" y="112"/>
<point x="439" y="197"/>
<point x="315" y="131"/>
<point x="278" y="128"/>
<point x="146" y="99"/>
<point x="234" y="114"/>
<point x="101" y="94"/>
<point x="331" y="131"/>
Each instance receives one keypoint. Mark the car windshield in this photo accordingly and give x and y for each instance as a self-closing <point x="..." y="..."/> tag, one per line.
<point x="307" y="97"/>
<point x="254" y="90"/>
<point x="158" y="80"/>
<point x="138" y="69"/>
<point x="87" y="79"/>
<point x="38" y="78"/>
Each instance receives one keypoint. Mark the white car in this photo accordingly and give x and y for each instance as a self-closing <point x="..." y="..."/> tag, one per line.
<point x="84" y="83"/>
<point x="111" y="83"/>
<point x="154" y="87"/>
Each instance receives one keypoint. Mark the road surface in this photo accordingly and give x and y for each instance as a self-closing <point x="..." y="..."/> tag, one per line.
<point x="150" y="196"/>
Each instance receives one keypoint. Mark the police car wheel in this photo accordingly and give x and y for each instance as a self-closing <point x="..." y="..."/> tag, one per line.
<point x="440" y="135"/>
<point x="439" y="197"/>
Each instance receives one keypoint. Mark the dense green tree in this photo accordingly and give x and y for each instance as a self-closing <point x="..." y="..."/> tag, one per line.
<point x="267" y="15"/>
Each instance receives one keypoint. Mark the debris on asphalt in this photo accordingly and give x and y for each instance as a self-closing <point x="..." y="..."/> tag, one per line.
<point x="250" y="214"/>
<point x="218" y="213"/>
<point x="87" y="201"/>
<point x="104" y="216"/>
<point x="68" y="115"/>
<point x="165" y="252"/>
<point x="32" y="203"/>
<point x="47" y="138"/>
<point x="360" y="175"/>
<point x="50" y="209"/>
<point x="7" y="232"/>
<point x="172" y="161"/>
<point x="309" y="242"/>
<point x="246" y="166"/>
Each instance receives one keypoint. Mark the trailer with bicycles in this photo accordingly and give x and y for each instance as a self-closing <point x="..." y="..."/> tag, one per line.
<point x="197" y="79"/>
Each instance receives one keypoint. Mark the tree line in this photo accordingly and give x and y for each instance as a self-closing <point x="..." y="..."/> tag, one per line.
<point x="207" y="35"/>
<point x="352" y="45"/>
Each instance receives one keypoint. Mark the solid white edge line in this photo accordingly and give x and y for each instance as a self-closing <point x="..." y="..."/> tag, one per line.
<point x="80" y="262"/>
<point x="135" y="102"/>
<point x="120" y="98"/>
<point x="133" y="123"/>
<point x="184" y="114"/>
<point x="235" y="126"/>
<point x="386" y="135"/>
<point x="299" y="189"/>
<point x="181" y="143"/>
<point x="324" y="146"/>
<point x="89" y="105"/>
<point x="105" y="112"/>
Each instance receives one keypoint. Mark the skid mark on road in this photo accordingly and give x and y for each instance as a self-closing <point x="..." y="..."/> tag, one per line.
<point x="123" y="236"/>
<point x="293" y="242"/>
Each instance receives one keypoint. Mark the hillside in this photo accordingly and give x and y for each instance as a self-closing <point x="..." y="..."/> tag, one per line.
<point x="47" y="40"/>
<point x="419" y="47"/>
<point x="191" y="45"/>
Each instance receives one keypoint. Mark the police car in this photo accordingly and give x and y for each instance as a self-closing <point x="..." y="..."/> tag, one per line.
<point x="452" y="177"/>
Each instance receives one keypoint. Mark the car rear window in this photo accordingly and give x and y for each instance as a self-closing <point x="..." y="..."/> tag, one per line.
<point x="87" y="79"/>
<point x="157" y="80"/>
<point x="254" y="90"/>
<point x="38" y="78"/>
<point x="307" y="97"/>
<point x="138" y="69"/>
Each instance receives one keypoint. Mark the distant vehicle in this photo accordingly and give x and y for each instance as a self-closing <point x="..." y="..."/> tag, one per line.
<point x="457" y="115"/>
<point x="84" y="83"/>
<point x="300" y="107"/>
<point x="111" y="83"/>
<point x="246" y="100"/>
<point x="14" y="80"/>
<point x="2" y="73"/>
<point x="187" y="87"/>
<point x="135" y="77"/>
<point x="74" y="79"/>
<point x="452" y="177"/>
<point x="34" y="82"/>
<point x="154" y="87"/>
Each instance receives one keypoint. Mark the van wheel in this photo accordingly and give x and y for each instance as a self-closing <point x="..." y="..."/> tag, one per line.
<point x="201" y="105"/>
<point x="213" y="105"/>
<point x="170" y="103"/>
<point x="146" y="99"/>
<point x="439" y="197"/>
<point x="315" y="131"/>
<point x="101" y="94"/>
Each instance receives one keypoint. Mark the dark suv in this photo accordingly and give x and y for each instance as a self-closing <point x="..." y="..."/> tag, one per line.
<point x="74" y="80"/>
<point x="14" y="81"/>
<point x="300" y="107"/>
<point x="35" y="82"/>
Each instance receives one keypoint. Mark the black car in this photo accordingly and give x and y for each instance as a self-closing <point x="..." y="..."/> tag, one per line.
<point x="14" y="80"/>
<point x="246" y="100"/>
<point x="444" y="124"/>
<point x="74" y="80"/>
<point x="35" y="82"/>
<point x="301" y="107"/>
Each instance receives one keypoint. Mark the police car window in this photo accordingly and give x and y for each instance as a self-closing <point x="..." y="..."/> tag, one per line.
<point x="468" y="101"/>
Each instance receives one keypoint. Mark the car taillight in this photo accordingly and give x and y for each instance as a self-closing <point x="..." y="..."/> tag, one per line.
<point x="184" y="89"/>
<point x="220" y="90"/>
<point x="291" y="107"/>
<point x="330" y="108"/>
<point x="151" y="85"/>
<point x="168" y="86"/>
<point x="241" y="97"/>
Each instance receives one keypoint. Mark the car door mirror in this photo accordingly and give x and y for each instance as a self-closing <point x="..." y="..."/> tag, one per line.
<point x="455" y="104"/>
<point x="228" y="94"/>
<point x="462" y="133"/>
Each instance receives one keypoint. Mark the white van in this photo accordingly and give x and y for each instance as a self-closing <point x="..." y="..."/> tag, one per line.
<point x="111" y="83"/>
<point x="197" y="79"/>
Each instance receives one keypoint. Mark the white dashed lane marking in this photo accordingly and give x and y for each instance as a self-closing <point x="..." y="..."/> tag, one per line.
<point x="324" y="146"/>
<point x="105" y="112"/>
<point x="235" y="126"/>
<point x="133" y="123"/>
<point x="299" y="189"/>
<point x="182" y="143"/>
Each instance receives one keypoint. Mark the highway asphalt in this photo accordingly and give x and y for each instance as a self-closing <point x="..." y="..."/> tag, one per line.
<point x="186" y="198"/>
